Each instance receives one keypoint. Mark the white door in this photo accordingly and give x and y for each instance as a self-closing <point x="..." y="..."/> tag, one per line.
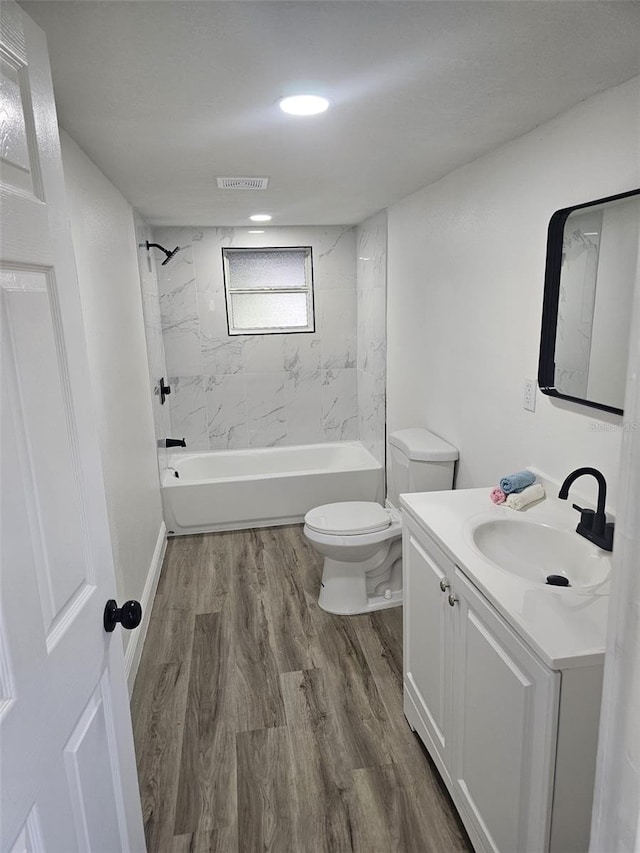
<point x="68" y="777"/>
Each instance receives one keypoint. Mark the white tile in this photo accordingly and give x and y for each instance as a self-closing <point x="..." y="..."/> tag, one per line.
<point x="182" y="353"/>
<point x="263" y="353"/>
<point x="301" y="354"/>
<point x="181" y="334"/>
<point x="371" y="414"/>
<point x="155" y="354"/>
<point x="151" y="311"/>
<point x="161" y="414"/>
<point x="188" y="411"/>
<point x="303" y="402"/>
<point x="339" y="353"/>
<point x="177" y="275"/>
<point x="266" y="408"/>
<point x="179" y="309"/>
<point x="221" y="356"/>
<point x="371" y="252"/>
<point x="226" y="412"/>
<point x="372" y="332"/>
<point x="207" y="258"/>
<point x="337" y="312"/>
<point x="334" y="258"/>
<point x="212" y="315"/>
<point x="340" y="405"/>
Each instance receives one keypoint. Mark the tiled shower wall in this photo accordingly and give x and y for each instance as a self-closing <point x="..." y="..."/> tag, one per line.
<point x="371" y="286"/>
<point x="153" y="333"/>
<point x="262" y="390"/>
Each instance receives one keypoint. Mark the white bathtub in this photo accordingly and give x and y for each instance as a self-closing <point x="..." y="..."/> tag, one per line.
<point x="236" y="489"/>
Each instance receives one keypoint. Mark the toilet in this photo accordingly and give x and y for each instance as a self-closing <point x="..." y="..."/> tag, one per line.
<point x="361" y="541"/>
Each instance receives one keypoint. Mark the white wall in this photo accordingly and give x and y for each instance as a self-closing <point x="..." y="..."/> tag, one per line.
<point x="104" y="243"/>
<point x="465" y="284"/>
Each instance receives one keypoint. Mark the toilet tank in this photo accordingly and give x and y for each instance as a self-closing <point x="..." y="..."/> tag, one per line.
<point x="419" y="461"/>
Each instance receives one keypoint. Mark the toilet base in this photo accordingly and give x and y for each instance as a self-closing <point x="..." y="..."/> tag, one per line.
<point x="349" y="588"/>
<point x="373" y="602"/>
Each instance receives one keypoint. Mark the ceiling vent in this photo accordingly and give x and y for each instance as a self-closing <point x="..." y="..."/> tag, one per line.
<point x="242" y="183"/>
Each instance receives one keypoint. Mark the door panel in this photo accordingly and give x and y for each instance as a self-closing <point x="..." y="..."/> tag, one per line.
<point x="30" y="836"/>
<point x="95" y="802"/>
<point x="427" y="643"/>
<point x="505" y="702"/>
<point x="35" y="370"/>
<point x="67" y="777"/>
<point x="497" y="716"/>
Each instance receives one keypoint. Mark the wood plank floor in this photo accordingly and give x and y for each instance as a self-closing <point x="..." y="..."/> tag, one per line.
<point x="263" y="723"/>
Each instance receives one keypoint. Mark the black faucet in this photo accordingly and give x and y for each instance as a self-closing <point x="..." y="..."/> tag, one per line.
<point x="174" y="442"/>
<point x="593" y="525"/>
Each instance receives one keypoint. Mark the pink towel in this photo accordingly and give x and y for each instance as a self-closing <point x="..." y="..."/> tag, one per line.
<point x="498" y="496"/>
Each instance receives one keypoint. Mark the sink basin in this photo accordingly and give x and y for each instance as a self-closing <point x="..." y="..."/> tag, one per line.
<point x="533" y="551"/>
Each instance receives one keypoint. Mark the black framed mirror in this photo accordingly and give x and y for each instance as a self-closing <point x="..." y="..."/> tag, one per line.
<point x="592" y="255"/>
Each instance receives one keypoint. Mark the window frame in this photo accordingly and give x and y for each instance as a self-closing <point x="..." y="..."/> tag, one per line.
<point x="308" y="290"/>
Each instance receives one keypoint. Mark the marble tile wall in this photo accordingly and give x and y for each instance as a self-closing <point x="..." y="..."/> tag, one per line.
<point x="259" y="390"/>
<point x="371" y="289"/>
<point x="153" y="332"/>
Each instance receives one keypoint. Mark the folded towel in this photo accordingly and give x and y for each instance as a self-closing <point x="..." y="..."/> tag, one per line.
<point x="498" y="496"/>
<point x="520" y="500"/>
<point x="517" y="482"/>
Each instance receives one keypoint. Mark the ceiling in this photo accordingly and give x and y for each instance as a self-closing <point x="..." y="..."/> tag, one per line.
<point x="165" y="96"/>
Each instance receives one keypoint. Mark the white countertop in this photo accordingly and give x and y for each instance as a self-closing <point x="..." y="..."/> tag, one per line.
<point x="565" y="626"/>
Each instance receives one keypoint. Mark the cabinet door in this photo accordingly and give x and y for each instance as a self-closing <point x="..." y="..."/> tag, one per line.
<point x="505" y="707"/>
<point x="427" y="631"/>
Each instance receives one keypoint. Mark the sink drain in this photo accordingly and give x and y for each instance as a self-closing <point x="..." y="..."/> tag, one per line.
<point x="558" y="580"/>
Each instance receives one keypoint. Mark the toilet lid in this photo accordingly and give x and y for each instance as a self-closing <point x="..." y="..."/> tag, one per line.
<point x="348" y="518"/>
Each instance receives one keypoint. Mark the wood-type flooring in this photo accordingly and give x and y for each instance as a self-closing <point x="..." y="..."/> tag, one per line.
<point x="262" y="723"/>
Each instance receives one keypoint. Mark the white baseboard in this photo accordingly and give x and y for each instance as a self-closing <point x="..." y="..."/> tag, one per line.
<point x="133" y="651"/>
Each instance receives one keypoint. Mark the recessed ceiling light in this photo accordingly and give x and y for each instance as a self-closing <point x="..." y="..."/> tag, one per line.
<point x="256" y="232"/>
<point x="304" y="105"/>
<point x="260" y="217"/>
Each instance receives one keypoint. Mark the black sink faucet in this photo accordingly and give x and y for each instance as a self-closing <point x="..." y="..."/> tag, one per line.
<point x="593" y="525"/>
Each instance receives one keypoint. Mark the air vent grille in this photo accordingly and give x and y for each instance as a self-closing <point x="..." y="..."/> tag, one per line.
<point x="242" y="183"/>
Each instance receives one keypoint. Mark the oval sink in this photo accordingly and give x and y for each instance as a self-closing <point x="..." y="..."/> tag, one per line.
<point x="534" y="551"/>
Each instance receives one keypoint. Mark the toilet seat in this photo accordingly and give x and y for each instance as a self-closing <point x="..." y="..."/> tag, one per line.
<point x="349" y="518"/>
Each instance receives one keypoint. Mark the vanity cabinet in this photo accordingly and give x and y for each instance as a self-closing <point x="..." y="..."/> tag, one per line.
<point x="491" y="713"/>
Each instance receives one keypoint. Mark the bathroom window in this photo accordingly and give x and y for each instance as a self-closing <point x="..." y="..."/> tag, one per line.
<point x="269" y="291"/>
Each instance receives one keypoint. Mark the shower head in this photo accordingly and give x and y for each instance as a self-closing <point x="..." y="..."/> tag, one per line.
<point x="168" y="253"/>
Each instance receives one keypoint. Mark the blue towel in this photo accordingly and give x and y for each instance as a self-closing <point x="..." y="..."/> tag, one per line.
<point x="515" y="483"/>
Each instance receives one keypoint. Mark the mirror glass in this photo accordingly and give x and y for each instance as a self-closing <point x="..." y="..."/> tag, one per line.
<point x="592" y="255"/>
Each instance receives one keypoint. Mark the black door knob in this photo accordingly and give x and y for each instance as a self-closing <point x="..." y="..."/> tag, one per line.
<point x="129" y="615"/>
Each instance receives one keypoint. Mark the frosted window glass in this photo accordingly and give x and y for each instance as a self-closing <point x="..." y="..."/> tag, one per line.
<point x="269" y="310"/>
<point x="269" y="289"/>
<point x="252" y="270"/>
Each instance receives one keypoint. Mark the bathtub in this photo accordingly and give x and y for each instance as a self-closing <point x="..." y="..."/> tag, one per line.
<point x="236" y="489"/>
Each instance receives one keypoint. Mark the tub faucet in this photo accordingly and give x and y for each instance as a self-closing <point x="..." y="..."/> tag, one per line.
<point x="175" y="442"/>
<point x="593" y="525"/>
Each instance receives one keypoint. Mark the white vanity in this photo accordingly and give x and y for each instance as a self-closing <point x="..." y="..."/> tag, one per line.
<point x="502" y="672"/>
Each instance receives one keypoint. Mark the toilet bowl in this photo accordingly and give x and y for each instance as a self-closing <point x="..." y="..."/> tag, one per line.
<point x="361" y="541"/>
<point x="362" y="546"/>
